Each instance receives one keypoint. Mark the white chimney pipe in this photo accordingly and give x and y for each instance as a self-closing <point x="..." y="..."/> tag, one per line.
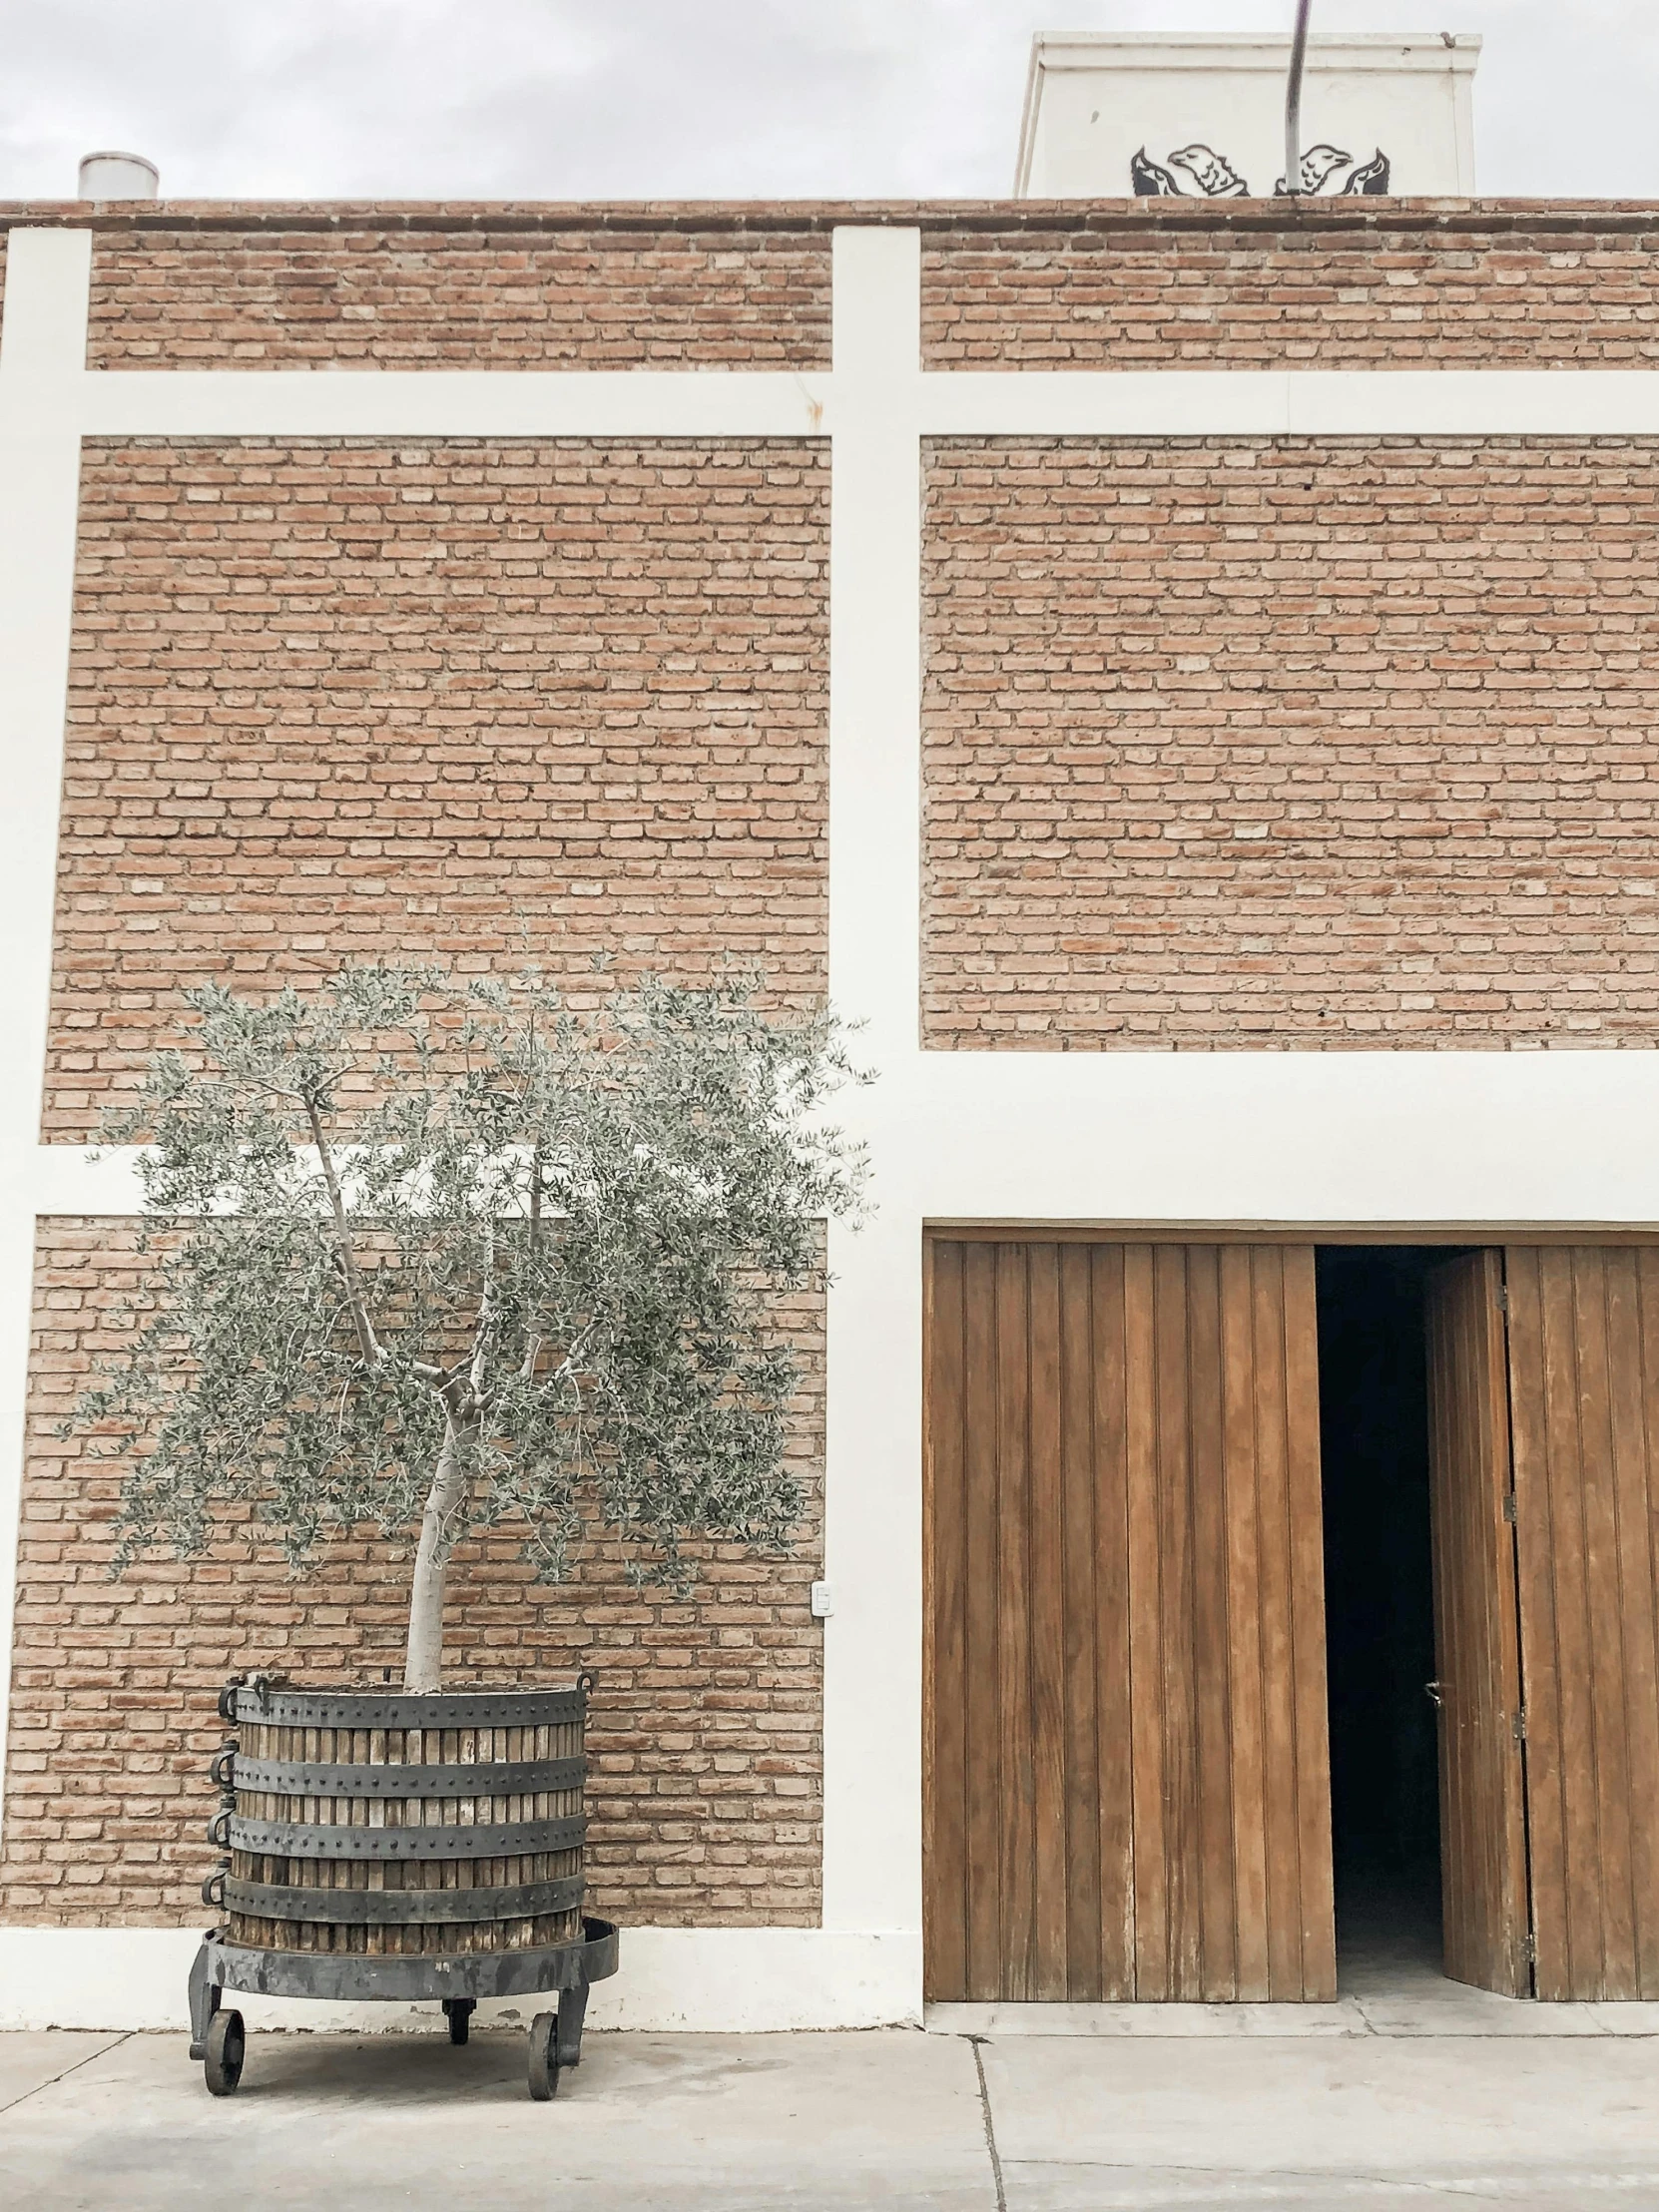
<point x="118" y="177"/>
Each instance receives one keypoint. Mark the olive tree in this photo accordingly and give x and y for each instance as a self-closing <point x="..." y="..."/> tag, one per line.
<point x="426" y="1247"/>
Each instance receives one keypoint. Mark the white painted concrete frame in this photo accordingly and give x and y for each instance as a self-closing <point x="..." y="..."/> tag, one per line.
<point x="1233" y="1139"/>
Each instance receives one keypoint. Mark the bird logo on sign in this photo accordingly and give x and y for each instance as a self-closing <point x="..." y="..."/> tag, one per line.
<point x="1197" y="172"/>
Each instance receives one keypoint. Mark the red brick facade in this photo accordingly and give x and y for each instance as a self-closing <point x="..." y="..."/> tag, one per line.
<point x="1227" y="744"/>
<point x="704" y="1739"/>
<point x="483" y="292"/>
<point x="458" y="701"/>
<point x="1329" y="286"/>
<point x="1268" y="742"/>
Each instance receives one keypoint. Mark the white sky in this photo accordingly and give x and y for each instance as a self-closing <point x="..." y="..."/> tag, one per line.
<point x="707" y="99"/>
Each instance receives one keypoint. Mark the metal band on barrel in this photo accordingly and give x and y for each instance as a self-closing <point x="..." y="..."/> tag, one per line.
<point x="401" y="1908"/>
<point x="371" y="1709"/>
<point x="516" y="1778"/>
<point x="511" y="1840"/>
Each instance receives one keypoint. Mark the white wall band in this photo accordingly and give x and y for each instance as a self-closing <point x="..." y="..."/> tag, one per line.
<point x="42" y="347"/>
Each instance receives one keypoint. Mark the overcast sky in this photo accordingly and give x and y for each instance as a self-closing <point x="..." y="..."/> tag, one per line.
<point x="706" y="99"/>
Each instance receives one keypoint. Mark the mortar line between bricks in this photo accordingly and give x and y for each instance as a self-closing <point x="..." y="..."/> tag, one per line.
<point x="991" y="2126"/>
<point x="114" y="2045"/>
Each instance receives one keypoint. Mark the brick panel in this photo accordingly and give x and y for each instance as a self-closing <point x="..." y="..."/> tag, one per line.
<point x="705" y="1740"/>
<point x="368" y="295"/>
<point x="329" y="702"/>
<point x="1328" y="292"/>
<point x="1279" y="744"/>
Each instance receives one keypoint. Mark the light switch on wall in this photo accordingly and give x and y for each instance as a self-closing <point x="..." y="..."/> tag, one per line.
<point x="823" y="1601"/>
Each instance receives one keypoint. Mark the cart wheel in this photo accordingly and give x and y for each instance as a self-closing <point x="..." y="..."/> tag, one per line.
<point x="544" y="2056"/>
<point x="459" y="2012"/>
<point x="226" y="2045"/>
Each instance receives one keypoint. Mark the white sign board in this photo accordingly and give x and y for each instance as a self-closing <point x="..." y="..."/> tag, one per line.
<point x="1108" y="118"/>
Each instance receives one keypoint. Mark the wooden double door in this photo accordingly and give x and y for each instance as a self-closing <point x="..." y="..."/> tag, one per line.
<point x="1127" y="1778"/>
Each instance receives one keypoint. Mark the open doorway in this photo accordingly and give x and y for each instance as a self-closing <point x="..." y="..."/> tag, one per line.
<point x="1380" y="1610"/>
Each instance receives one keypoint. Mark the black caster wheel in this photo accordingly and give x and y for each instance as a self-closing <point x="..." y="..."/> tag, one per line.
<point x="227" y="2047"/>
<point x="459" y="2012"/>
<point x="544" y="2056"/>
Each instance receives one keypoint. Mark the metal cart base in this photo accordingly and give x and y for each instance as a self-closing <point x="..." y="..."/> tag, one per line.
<point x="219" y="2040"/>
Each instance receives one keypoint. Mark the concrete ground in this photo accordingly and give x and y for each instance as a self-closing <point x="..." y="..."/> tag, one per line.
<point x="1352" y="2121"/>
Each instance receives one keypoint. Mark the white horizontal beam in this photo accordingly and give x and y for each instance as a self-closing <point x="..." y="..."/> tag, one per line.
<point x="437" y="403"/>
<point x="1298" y="402"/>
<point x="1505" y="1138"/>
<point x="720" y="1980"/>
<point x="706" y="404"/>
<point x="1560" y="1138"/>
<point x="68" y="1179"/>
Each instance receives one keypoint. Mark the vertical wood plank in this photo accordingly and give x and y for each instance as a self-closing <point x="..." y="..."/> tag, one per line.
<point x="1115" y="1668"/>
<point x="1484" y="1863"/>
<point x="1151" y="1905"/>
<point x="1184" y="1970"/>
<point x="1536" y="1547"/>
<point x="1016" y="1790"/>
<point x="1639" y="1500"/>
<point x="1633" y="1569"/>
<point x="983" y="1748"/>
<point x="1216" y="1978"/>
<point x="1277" y="1642"/>
<point x="946" y="1782"/>
<point x="1569" y="1567"/>
<point x="1248" y="1768"/>
<point x="1587" y="1322"/>
<point x="1316" y="1928"/>
<point x="1083" y="1629"/>
<point x="1045" y="1598"/>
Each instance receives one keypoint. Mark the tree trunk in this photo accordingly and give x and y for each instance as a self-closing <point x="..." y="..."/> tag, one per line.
<point x="440" y="1524"/>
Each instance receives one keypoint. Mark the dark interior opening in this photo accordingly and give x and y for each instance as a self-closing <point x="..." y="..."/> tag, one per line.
<point x="1378" y="1605"/>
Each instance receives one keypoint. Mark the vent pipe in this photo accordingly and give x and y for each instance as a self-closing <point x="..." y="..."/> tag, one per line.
<point x="118" y="177"/>
<point x="1292" y="98"/>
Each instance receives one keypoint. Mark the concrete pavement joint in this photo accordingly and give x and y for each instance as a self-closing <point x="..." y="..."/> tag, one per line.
<point x="990" y="2127"/>
<point x="1485" y="2187"/>
<point x="115" y="2043"/>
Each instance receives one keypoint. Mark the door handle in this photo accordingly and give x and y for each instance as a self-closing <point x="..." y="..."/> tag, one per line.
<point x="1431" y="1691"/>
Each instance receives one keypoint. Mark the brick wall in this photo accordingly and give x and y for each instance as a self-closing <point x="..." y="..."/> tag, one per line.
<point x="1279" y="744"/>
<point x="357" y="291"/>
<point x="1085" y="284"/>
<point x="329" y="702"/>
<point x="336" y="701"/>
<point x="704" y="1802"/>
<point x="1349" y="288"/>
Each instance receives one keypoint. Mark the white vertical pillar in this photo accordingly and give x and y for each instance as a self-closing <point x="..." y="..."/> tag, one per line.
<point x="873" y="1655"/>
<point x="42" y="356"/>
<point x="875" y="638"/>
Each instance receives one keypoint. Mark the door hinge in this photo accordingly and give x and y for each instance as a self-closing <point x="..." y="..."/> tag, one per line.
<point x="1503" y="1300"/>
<point x="1518" y="1724"/>
<point x="1529" y="1948"/>
<point x="1510" y="1507"/>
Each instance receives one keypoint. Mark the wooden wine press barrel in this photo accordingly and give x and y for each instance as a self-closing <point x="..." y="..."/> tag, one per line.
<point x="392" y="1824"/>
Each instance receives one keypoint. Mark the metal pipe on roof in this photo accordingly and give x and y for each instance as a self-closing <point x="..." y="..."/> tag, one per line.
<point x="1292" y="98"/>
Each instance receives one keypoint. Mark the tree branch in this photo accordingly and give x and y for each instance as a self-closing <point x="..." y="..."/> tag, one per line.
<point x="367" y="1343"/>
<point x="532" y="1343"/>
<point x="485" y="1316"/>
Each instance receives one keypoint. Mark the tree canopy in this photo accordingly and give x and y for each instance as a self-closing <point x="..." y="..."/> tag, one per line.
<point x="448" y="1248"/>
